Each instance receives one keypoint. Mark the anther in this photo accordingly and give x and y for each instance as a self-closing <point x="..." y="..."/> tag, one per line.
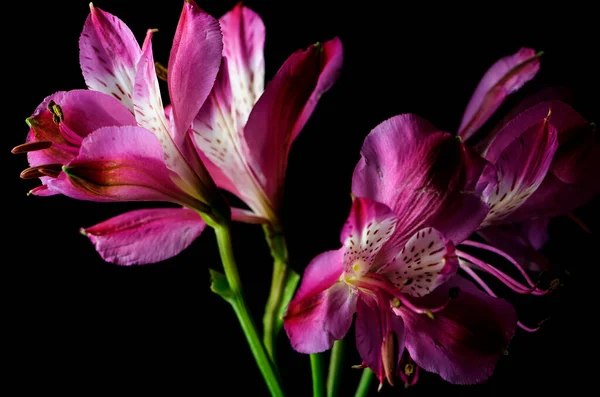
<point x="161" y="71"/>
<point x="31" y="147"/>
<point x="409" y="369"/>
<point x="57" y="113"/>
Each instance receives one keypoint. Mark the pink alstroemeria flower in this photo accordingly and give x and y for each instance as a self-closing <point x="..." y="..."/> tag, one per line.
<point x="243" y="133"/>
<point x="113" y="142"/>
<point x="418" y="194"/>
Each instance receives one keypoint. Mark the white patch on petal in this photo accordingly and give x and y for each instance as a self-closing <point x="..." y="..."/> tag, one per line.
<point x="363" y="246"/>
<point x="426" y="261"/>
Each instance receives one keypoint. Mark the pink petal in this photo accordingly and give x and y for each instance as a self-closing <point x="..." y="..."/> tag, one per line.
<point x="521" y="168"/>
<point x="503" y="78"/>
<point x="464" y="341"/>
<point x="427" y="261"/>
<point x="322" y="310"/>
<point x="217" y="135"/>
<point x="108" y="55"/>
<point x="283" y="109"/>
<point x="521" y="241"/>
<point x="150" y="114"/>
<point x="243" y="44"/>
<point x="425" y="176"/>
<point x="577" y="159"/>
<point x="245" y="216"/>
<point x="369" y="226"/>
<point x="120" y="164"/>
<point x="193" y="65"/>
<point x="83" y="112"/>
<point x="145" y="236"/>
<point x="370" y="333"/>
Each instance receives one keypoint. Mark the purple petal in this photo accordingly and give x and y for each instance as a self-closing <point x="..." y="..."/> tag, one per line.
<point x="464" y="341"/>
<point x="503" y="78"/>
<point x="145" y="236"/>
<point x="427" y="261"/>
<point x="108" y="55"/>
<point x="521" y="167"/>
<point x="427" y="178"/>
<point x="193" y="65"/>
<point x="283" y="109"/>
<point x="370" y="335"/>
<point x="322" y="310"/>
<point x="369" y="226"/>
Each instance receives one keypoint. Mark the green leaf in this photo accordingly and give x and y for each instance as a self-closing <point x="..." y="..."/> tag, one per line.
<point x="219" y="285"/>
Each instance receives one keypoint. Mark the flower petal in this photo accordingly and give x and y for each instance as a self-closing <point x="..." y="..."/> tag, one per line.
<point x="521" y="168"/>
<point x="370" y="333"/>
<point x="108" y="55"/>
<point x="120" y="164"/>
<point x="427" y="261"/>
<point x="503" y="78"/>
<point x="465" y="340"/>
<point x="81" y="112"/>
<point x="243" y="45"/>
<point x="577" y="159"/>
<point x="193" y="65"/>
<point x="216" y="134"/>
<point x="145" y="236"/>
<point x="322" y="310"/>
<point x="424" y="176"/>
<point x="283" y="109"/>
<point x="521" y="241"/>
<point x="369" y="226"/>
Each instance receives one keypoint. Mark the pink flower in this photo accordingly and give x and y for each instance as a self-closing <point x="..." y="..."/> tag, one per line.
<point x="114" y="143"/>
<point x="397" y="267"/>
<point x="244" y="134"/>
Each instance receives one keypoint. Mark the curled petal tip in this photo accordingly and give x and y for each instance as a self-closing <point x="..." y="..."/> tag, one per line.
<point x="539" y="53"/>
<point x="151" y="31"/>
<point x="82" y="231"/>
<point x="91" y="5"/>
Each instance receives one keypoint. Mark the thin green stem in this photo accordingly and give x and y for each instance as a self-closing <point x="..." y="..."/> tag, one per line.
<point x="335" y="368"/>
<point x="284" y="279"/>
<point x="316" y="365"/>
<point x="241" y="310"/>
<point x="365" y="383"/>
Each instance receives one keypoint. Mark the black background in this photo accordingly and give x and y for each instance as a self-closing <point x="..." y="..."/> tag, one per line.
<point x="77" y="324"/>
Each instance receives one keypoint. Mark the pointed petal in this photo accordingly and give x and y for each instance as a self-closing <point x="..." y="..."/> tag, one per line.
<point x="283" y="109"/>
<point x="322" y="310"/>
<point x="521" y="167"/>
<point x="243" y="46"/>
<point x="425" y="176"/>
<point x="427" y="261"/>
<point x="370" y="332"/>
<point x="369" y="226"/>
<point x="503" y="78"/>
<point x="145" y="236"/>
<point x="193" y="65"/>
<point x="120" y="164"/>
<point x="108" y="55"/>
<point x="216" y="133"/>
<point x="521" y="241"/>
<point x="465" y="340"/>
<point x="147" y="102"/>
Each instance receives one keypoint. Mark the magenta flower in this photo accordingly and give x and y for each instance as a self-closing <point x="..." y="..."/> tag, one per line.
<point x="537" y="179"/>
<point x="243" y="134"/>
<point x="517" y="224"/>
<point x="397" y="267"/>
<point x="115" y="143"/>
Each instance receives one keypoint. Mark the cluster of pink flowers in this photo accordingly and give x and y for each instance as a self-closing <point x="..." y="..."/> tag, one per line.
<point x="418" y="193"/>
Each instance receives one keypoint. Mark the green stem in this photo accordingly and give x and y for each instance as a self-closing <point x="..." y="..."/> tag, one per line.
<point x="335" y="368"/>
<point x="283" y="279"/>
<point x="365" y="383"/>
<point x="241" y="310"/>
<point x="316" y="365"/>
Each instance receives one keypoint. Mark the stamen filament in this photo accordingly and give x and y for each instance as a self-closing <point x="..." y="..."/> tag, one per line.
<point x="502" y="254"/>
<point x="503" y="277"/>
